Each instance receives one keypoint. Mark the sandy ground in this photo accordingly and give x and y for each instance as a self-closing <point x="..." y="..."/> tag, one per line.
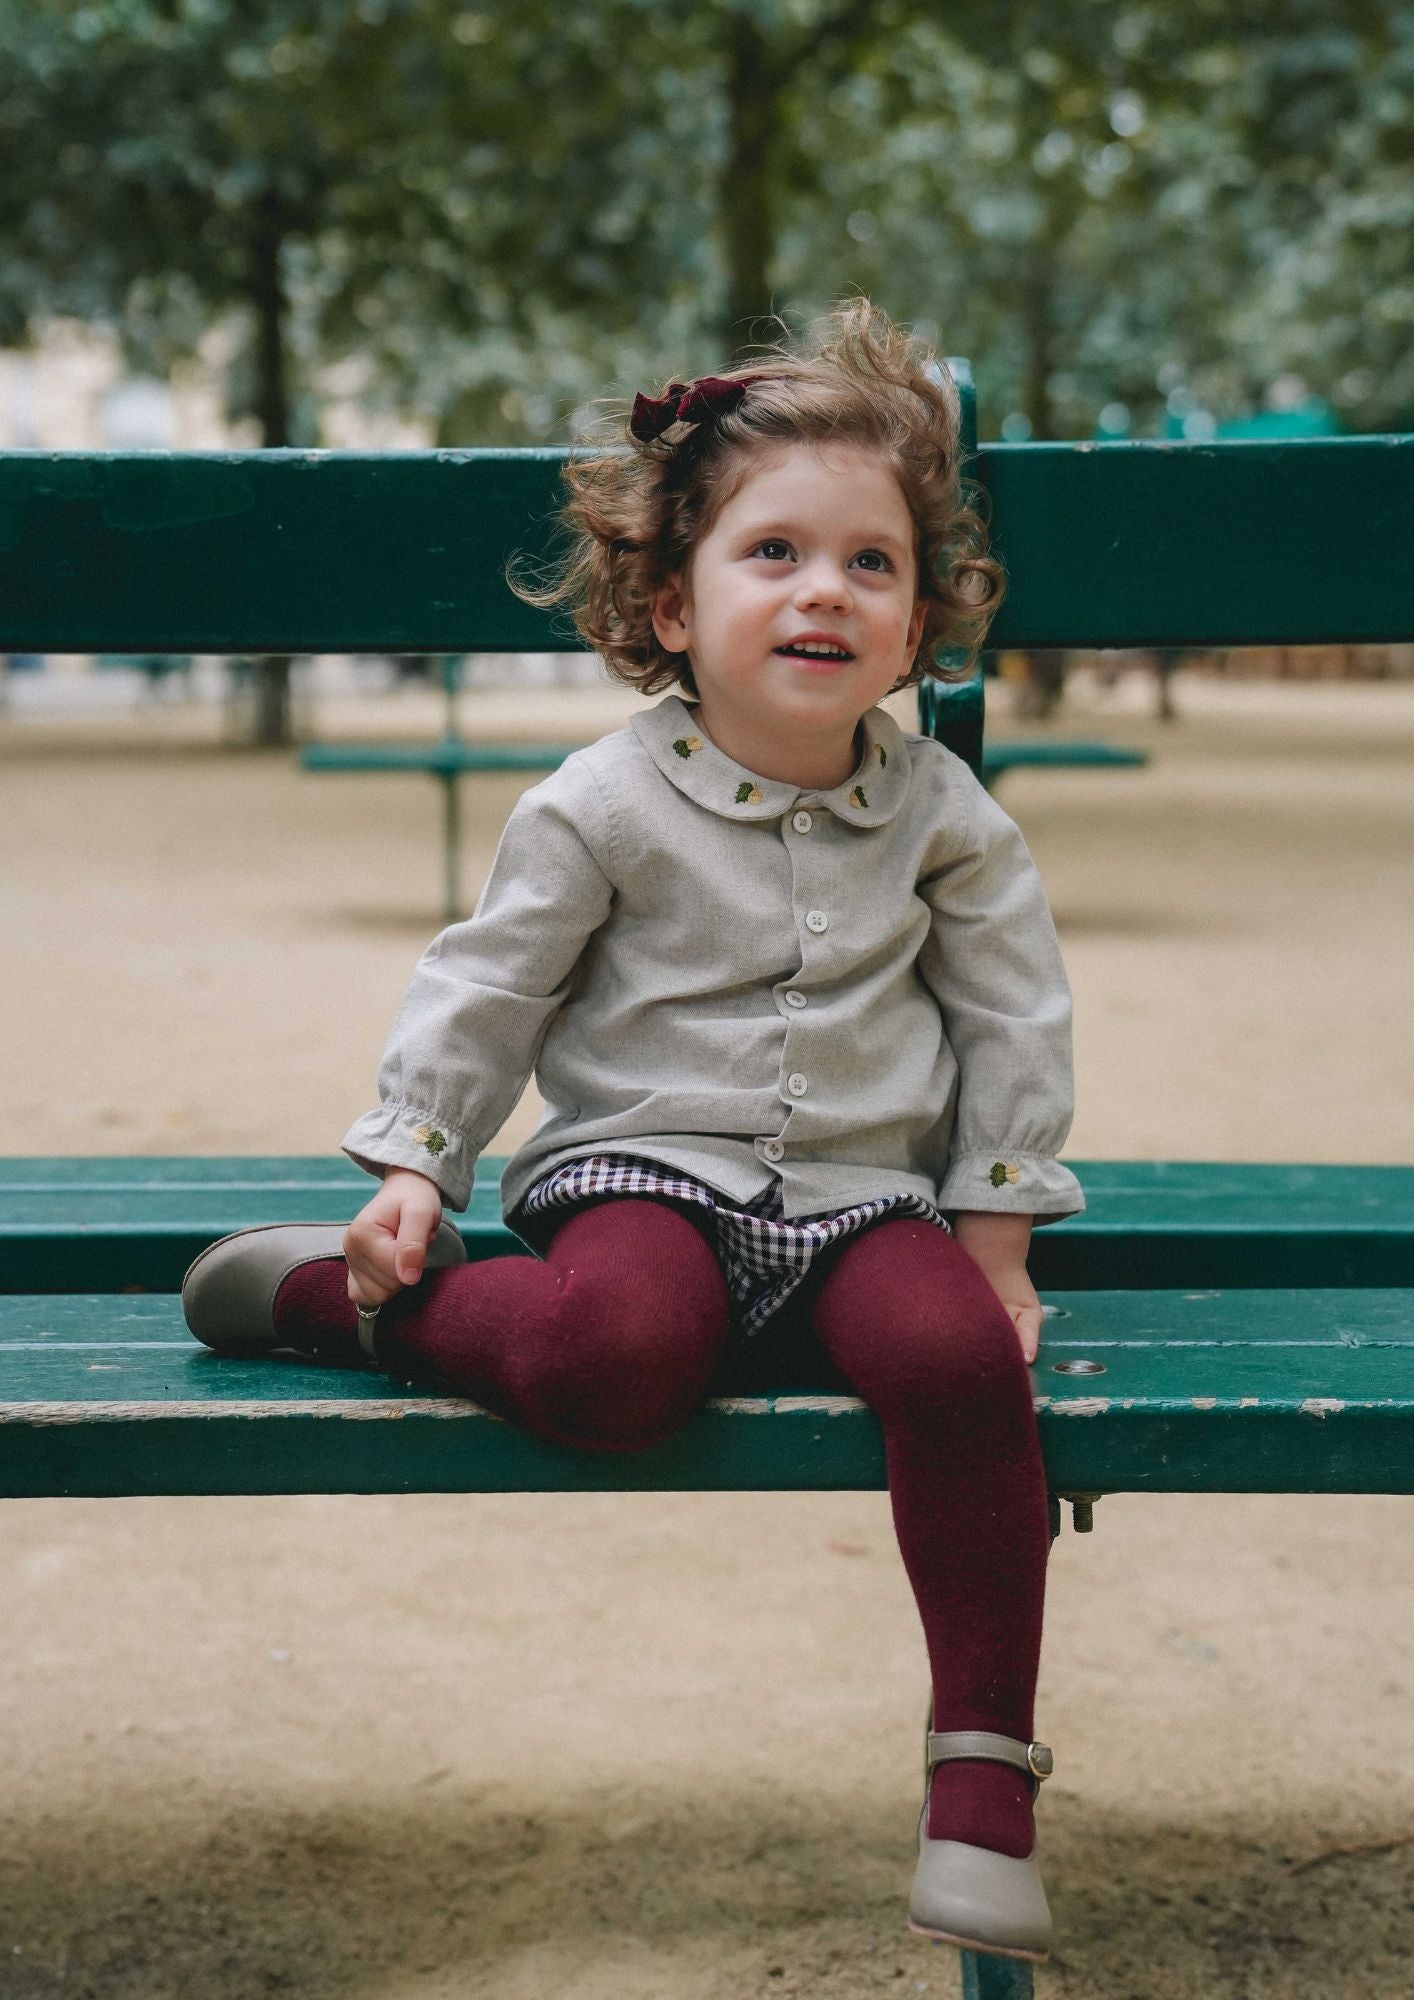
<point x="531" y="1746"/>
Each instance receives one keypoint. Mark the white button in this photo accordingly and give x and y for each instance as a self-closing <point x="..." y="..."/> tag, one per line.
<point x="794" y="999"/>
<point x="816" y="920"/>
<point x="772" y="1149"/>
<point x="796" y="1084"/>
<point x="802" y="822"/>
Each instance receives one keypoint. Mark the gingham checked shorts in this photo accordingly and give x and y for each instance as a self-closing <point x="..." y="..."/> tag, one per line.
<point x="763" y="1257"/>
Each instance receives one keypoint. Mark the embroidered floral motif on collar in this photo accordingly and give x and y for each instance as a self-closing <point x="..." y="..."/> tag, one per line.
<point x="691" y="761"/>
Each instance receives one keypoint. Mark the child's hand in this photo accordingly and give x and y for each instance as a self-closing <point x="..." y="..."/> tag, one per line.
<point x="998" y="1245"/>
<point x="386" y="1243"/>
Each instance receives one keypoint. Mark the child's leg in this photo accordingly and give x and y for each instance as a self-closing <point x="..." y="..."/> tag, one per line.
<point x="609" y="1344"/>
<point x="916" y="1328"/>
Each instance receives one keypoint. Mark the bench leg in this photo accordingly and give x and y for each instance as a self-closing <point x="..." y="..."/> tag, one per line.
<point x="451" y="847"/>
<point x="986" y="1977"/>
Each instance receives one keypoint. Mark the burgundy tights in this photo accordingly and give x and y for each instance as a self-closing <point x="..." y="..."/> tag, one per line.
<point x="611" y="1342"/>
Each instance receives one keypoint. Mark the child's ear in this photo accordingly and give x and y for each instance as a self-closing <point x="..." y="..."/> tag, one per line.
<point x="915" y="627"/>
<point x="670" y="618"/>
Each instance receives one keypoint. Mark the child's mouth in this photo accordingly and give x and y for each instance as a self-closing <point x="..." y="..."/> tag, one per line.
<point x="818" y="656"/>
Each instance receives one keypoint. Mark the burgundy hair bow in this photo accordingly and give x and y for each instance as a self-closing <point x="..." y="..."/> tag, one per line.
<point x="687" y="403"/>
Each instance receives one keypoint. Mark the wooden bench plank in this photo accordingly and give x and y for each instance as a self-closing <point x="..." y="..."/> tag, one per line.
<point x="451" y="757"/>
<point x="1149" y="542"/>
<point x="448" y="758"/>
<point x="1244" y="1391"/>
<point x="1057" y="755"/>
<point x="108" y="1224"/>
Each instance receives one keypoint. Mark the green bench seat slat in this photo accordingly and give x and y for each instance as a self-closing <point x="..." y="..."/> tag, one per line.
<point x="1232" y="542"/>
<point x="451" y="757"/>
<point x="437" y="760"/>
<point x="999" y="758"/>
<point x="109" y="1224"/>
<point x="1245" y="1391"/>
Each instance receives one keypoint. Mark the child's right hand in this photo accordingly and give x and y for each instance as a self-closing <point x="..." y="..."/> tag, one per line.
<point x="386" y="1243"/>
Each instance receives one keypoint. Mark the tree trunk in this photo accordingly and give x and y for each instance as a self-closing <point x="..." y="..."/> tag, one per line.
<point x="272" y="725"/>
<point x="1038" y="331"/>
<point x="272" y="404"/>
<point x="753" y="92"/>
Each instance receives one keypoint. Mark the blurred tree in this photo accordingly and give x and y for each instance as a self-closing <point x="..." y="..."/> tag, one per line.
<point x="1118" y="209"/>
<point x="338" y="177"/>
<point x="344" y="184"/>
<point x="484" y="214"/>
<point x="1295" y="174"/>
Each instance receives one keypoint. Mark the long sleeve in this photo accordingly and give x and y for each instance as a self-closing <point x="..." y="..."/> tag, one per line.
<point x="993" y="964"/>
<point x="484" y="992"/>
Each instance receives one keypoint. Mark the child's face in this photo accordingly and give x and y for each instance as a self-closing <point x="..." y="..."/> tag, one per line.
<point x="818" y="546"/>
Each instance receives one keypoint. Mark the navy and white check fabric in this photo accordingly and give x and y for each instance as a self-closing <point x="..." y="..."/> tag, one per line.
<point x="763" y="1257"/>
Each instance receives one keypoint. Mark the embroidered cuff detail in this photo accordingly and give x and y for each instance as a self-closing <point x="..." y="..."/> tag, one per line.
<point x="1011" y="1183"/>
<point x="404" y="1135"/>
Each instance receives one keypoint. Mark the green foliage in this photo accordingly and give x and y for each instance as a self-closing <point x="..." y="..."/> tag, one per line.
<point x="489" y="215"/>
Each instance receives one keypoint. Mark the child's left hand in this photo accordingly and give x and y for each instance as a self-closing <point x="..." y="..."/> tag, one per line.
<point x="997" y="1244"/>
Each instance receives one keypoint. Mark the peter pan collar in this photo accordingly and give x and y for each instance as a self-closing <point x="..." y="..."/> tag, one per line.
<point x="691" y="761"/>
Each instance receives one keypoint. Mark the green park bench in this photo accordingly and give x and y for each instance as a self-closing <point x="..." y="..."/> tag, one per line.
<point x="156" y="668"/>
<point x="1219" y="1328"/>
<point x="453" y="759"/>
<point x="1211" y="1328"/>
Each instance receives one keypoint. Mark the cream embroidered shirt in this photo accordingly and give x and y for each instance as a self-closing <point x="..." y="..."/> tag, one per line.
<point x="856" y="991"/>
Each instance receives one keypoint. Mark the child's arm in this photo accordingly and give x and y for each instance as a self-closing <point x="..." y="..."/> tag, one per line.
<point x="386" y="1243"/>
<point x="998" y="1244"/>
<point x="992" y="962"/>
<point x="485" y="991"/>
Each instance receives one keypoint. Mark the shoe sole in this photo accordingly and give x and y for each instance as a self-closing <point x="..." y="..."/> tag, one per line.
<point x="976" y="1944"/>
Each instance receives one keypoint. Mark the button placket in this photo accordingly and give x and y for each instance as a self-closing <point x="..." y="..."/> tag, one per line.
<point x="795" y="1081"/>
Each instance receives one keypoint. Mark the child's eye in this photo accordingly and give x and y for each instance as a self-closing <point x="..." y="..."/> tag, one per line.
<point x="873" y="559"/>
<point x="774" y="550"/>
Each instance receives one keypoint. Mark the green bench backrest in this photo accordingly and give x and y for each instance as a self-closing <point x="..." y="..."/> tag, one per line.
<point x="1134" y="544"/>
<point x="100" y="1225"/>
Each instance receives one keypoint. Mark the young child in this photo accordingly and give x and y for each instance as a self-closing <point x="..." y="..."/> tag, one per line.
<point x="788" y="984"/>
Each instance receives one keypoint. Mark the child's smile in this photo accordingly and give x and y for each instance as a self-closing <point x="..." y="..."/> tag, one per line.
<point x="800" y="611"/>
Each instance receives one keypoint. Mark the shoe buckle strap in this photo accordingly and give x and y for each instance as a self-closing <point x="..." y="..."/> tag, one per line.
<point x="947" y="1746"/>
<point x="367" y="1328"/>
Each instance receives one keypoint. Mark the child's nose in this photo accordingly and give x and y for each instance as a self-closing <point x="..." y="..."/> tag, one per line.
<point x="823" y="582"/>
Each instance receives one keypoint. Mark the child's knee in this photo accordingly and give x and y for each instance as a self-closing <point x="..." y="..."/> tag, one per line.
<point x="922" y="1340"/>
<point x="620" y="1378"/>
<point x="937" y="1363"/>
<point x="611" y="1394"/>
<point x="628" y="1337"/>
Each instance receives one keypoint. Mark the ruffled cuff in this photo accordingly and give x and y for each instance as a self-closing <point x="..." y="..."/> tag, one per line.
<point x="1034" y="1184"/>
<point x="404" y="1135"/>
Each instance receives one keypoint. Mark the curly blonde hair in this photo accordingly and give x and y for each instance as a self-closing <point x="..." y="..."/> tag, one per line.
<point x="635" y="517"/>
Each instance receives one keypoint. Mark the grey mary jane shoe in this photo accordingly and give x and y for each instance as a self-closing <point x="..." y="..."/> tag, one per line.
<point x="969" y="1896"/>
<point x="228" y="1293"/>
